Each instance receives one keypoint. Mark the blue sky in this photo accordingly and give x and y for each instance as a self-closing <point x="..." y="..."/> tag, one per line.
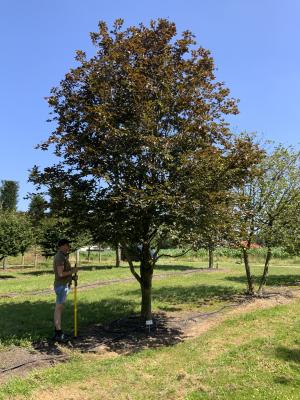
<point x="255" y="44"/>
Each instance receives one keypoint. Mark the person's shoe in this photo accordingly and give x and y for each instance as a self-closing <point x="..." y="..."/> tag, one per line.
<point x="60" y="337"/>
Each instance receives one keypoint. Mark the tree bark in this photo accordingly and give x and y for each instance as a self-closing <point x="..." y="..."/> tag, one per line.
<point x="99" y="252"/>
<point x="89" y="254"/>
<point x="146" y="289"/>
<point x="118" y="255"/>
<point x="4" y="262"/>
<point x="210" y="257"/>
<point x="266" y="270"/>
<point x="248" y="271"/>
<point x="35" y="256"/>
<point x="23" y="260"/>
<point x="144" y="279"/>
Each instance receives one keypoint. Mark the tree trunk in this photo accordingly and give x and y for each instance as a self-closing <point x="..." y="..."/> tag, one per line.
<point x="146" y="289"/>
<point x="118" y="255"/>
<point x="248" y="272"/>
<point x="23" y="260"/>
<point x="146" y="272"/>
<point x="266" y="270"/>
<point x="4" y="262"/>
<point x="35" y="256"/>
<point x="89" y="254"/>
<point x="210" y="257"/>
<point x="144" y="279"/>
<point x="99" y="252"/>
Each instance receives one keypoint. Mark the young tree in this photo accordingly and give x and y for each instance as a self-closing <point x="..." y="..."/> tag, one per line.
<point x="140" y="128"/>
<point x="15" y="234"/>
<point x="26" y="234"/>
<point x="9" y="195"/>
<point x="288" y="236"/>
<point x="269" y="199"/>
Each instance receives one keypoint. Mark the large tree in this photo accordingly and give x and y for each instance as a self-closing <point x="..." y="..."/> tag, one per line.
<point x="142" y="140"/>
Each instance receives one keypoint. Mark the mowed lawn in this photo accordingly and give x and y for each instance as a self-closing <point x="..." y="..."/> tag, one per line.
<point x="251" y="356"/>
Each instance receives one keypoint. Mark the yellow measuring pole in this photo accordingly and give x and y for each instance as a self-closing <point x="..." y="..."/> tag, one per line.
<point x="75" y="294"/>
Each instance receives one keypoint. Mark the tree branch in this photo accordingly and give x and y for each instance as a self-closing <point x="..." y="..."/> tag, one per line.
<point x="131" y="266"/>
<point x="172" y="256"/>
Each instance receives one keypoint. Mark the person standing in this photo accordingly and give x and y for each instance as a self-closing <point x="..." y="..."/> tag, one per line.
<point x="63" y="278"/>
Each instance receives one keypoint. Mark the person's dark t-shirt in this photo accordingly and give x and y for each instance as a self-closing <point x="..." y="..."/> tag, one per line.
<point x="61" y="259"/>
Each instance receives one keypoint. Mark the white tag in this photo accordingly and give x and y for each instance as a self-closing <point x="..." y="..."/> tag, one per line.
<point x="149" y="322"/>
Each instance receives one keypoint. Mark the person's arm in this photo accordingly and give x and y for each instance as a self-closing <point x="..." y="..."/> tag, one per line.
<point x="63" y="274"/>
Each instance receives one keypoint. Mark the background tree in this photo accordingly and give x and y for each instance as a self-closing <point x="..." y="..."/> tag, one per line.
<point x="55" y="228"/>
<point x="9" y="195"/>
<point x="37" y="213"/>
<point x="26" y="235"/>
<point x="268" y="200"/>
<point x="138" y="125"/>
<point x="56" y="204"/>
<point x="15" y="234"/>
<point x="289" y="234"/>
<point x="37" y="209"/>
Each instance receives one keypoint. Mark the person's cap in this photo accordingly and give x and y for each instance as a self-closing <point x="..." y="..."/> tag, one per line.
<point x="62" y="242"/>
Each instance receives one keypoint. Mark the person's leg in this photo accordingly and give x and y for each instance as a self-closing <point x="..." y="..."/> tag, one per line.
<point x="57" y="316"/>
<point x="61" y="294"/>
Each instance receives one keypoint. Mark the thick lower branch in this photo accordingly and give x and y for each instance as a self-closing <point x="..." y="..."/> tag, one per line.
<point x="131" y="266"/>
<point x="266" y="270"/>
<point x="172" y="256"/>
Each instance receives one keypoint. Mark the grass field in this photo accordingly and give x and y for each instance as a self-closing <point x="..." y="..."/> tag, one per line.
<point x="255" y="355"/>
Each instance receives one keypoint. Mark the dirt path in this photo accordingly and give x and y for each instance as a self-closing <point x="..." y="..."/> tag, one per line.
<point x="128" y="335"/>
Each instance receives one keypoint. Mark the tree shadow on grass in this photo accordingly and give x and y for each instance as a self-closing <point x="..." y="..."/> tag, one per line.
<point x="197" y="294"/>
<point x="39" y="272"/>
<point x="32" y="320"/>
<point x="7" y="276"/>
<point x="82" y="268"/>
<point x="288" y="354"/>
<point x="166" y="267"/>
<point x="109" y="323"/>
<point x="272" y="280"/>
<point x="95" y="267"/>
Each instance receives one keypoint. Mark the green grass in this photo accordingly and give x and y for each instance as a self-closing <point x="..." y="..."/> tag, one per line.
<point x="202" y="291"/>
<point x="253" y="356"/>
<point x="177" y="292"/>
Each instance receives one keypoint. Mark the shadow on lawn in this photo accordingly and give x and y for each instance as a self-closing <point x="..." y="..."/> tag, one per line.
<point x="7" y="276"/>
<point x="108" y="325"/>
<point x="82" y="268"/>
<point x="197" y="294"/>
<point x="288" y="354"/>
<point x="273" y="280"/>
<point x="96" y="267"/>
<point x="40" y="272"/>
<point x="32" y="320"/>
<point x="166" y="267"/>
